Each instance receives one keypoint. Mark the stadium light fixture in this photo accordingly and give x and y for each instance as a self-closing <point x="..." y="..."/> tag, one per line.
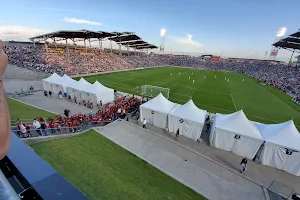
<point x="281" y="32"/>
<point x="162" y="32"/>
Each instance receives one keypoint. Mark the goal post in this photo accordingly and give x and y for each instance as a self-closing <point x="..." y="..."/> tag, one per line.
<point x="153" y="91"/>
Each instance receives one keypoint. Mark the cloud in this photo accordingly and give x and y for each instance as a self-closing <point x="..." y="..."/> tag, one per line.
<point x="81" y="21"/>
<point x="19" y="33"/>
<point x="187" y="41"/>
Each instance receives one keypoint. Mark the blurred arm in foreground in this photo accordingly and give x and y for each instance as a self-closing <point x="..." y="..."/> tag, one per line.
<point x="4" y="112"/>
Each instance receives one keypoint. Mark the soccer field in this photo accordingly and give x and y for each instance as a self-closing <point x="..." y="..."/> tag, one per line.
<point x="216" y="95"/>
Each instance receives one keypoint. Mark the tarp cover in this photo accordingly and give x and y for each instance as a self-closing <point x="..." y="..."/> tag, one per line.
<point x="97" y="92"/>
<point x="76" y="88"/>
<point x="188" y="118"/>
<point x="282" y="146"/>
<point x="235" y="133"/>
<point x="156" y="111"/>
<point x="53" y="83"/>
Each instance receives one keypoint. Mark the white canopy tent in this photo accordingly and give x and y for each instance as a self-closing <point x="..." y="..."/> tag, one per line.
<point x="235" y="133"/>
<point x="76" y="88"/>
<point x="188" y="118"/>
<point x="156" y="111"/>
<point x="282" y="146"/>
<point x="53" y="83"/>
<point x="66" y="81"/>
<point x="97" y="92"/>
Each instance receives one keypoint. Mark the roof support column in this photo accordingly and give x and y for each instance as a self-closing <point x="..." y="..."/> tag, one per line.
<point x="85" y="46"/>
<point x="54" y="43"/>
<point x="46" y="46"/>
<point x="90" y="43"/>
<point x="33" y="42"/>
<point x="74" y="44"/>
<point x="290" y="61"/>
<point x="110" y="46"/>
<point x="67" y="45"/>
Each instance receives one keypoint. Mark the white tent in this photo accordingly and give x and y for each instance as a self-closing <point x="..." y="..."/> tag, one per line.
<point x="66" y="81"/>
<point x="76" y="88"/>
<point x="53" y="83"/>
<point x="282" y="146"/>
<point x="235" y="133"/>
<point x="188" y="118"/>
<point x="97" y="92"/>
<point x="156" y="111"/>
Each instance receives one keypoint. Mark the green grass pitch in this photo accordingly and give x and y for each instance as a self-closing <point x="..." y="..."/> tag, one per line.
<point x="260" y="103"/>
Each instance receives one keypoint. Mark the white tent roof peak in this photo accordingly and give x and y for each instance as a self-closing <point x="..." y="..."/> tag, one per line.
<point x="100" y="86"/>
<point x="82" y="80"/>
<point x="238" y="123"/>
<point x="189" y="111"/>
<point x="283" y="134"/>
<point x="53" y="77"/>
<point x="160" y="104"/>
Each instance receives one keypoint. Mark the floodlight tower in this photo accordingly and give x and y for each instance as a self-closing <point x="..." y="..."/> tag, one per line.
<point x="279" y="35"/>
<point x="163" y="38"/>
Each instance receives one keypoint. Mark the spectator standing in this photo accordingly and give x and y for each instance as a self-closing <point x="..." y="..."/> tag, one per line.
<point x="144" y="123"/>
<point x="243" y="165"/>
<point x="177" y="134"/>
<point x="23" y="130"/>
<point x="52" y="126"/>
<point x="37" y="126"/>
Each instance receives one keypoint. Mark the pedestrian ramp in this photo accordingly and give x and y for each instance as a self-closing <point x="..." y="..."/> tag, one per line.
<point x="190" y="168"/>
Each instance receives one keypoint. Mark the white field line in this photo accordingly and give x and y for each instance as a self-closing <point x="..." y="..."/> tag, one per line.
<point x="233" y="102"/>
<point x="180" y="94"/>
<point x="120" y="81"/>
<point x="279" y="100"/>
<point x="184" y="86"/>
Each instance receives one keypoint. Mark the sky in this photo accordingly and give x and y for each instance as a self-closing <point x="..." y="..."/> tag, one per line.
<point x="231" y="28"/>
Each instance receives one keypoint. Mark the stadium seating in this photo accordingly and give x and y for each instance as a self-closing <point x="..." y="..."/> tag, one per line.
<point x="80" y="61"/>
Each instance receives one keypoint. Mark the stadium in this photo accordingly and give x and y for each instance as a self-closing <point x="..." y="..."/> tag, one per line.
<point x="109" y="120"/>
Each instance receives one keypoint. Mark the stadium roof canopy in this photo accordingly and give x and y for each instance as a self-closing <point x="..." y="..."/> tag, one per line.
<point x="128" y="39"/>
<point x="125" y="38"/>
<point x="292" y="42"/>
<point x="133" y="43"/>
<point x="149" y="46"/>
<point x="62" y="35"/>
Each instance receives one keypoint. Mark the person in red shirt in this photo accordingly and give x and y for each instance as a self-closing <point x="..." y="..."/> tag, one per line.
<point x="57" y="126"/>
<point x="52" y="127"/>
<point x="59" y="118"/>
<point x="70" y="124"/>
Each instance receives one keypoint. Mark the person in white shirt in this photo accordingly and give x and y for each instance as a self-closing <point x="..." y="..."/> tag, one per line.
<point x="144" y="123"/>
<point x="22" y="128"/>
<point x="36" y="125"/>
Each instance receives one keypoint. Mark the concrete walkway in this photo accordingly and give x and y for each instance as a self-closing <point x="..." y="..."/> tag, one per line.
<point x="53" y="104"/>
<point x="258" y="173"/>
<point x="202" y="175"/>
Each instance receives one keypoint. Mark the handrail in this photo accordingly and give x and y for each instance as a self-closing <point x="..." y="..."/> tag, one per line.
<point x="6" y="190"/>
<point x="64" y="129"/>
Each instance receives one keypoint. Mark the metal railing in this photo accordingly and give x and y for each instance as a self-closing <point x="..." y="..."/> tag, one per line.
<point x="59" y="130"/>
<point x="279" y="191"/>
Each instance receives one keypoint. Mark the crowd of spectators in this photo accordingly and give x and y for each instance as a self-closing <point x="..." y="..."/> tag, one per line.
<point x="78" y="61"/>
<point x="77" y="122"/>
